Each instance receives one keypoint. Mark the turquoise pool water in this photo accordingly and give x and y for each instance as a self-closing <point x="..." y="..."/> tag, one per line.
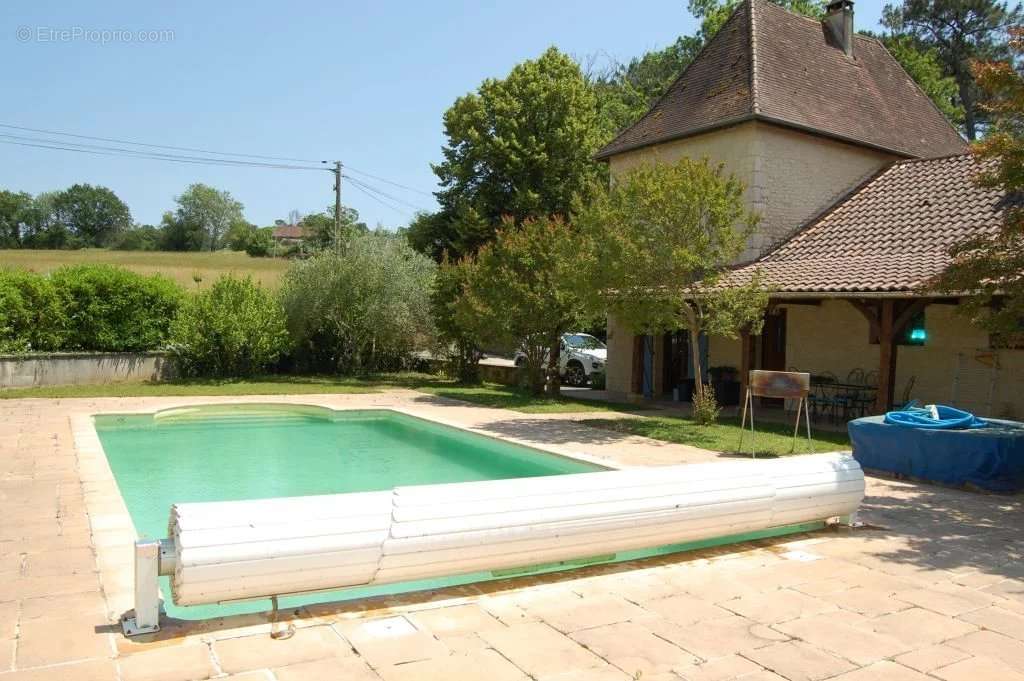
<point x="224" y="453"/>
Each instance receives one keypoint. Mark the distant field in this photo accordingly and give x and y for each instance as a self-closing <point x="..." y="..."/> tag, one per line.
<point x="185" y="268"/>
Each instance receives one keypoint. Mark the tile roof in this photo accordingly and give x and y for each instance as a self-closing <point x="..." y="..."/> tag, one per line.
<point x="289" y="232"/>
<point x="770" y="64"/>
<point x="892" y="234"/>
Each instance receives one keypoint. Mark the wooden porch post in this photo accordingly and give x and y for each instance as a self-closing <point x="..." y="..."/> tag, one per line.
<point x="886" y="356"/>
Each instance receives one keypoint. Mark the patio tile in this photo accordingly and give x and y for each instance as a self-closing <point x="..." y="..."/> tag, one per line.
<point x="540" y="650"/>
<point x="931" y="657"/>
<point x="340" y="668"/>
<point x="918" y="627"/>
<point x="946" y="601"/>
<point x="484" y="664"/>
<point x="605" y="673"/>
<point x="720" y="669"/>
<point x="260" y="651"/>
<point x="568" y="615"/>
<point x="830" y="632"/>
<point x="50" y="641"/>
<point x="89" y="602"/>
<point x="66" y="562"/>
<point x="883" y="671"/>
<point x="869" y="602"/>
<point x="718" y="637"/>
<point x="998" y="619"/>
<point x="390" y="641"/>
<point x="979" y="669"/>
<point x="456" y="620"/>
<point x="685" y="609"/>
<point x="635" y="649"/>
<point x="992" y="644"/>
<point x="91" y="670"/>
<point x="189" y="662"/>
<point x="777" y="606"/>
<point x="798" y="661"/>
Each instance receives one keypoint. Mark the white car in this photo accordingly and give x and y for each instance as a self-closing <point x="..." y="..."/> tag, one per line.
<point x="580" y="356"/>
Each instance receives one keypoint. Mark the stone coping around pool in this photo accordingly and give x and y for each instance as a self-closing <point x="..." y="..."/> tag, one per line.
<point x="114" y="533"/>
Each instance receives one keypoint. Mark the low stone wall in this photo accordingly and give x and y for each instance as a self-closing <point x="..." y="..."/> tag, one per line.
<point x="36" y="370"/>
<point x="505" y="375"/>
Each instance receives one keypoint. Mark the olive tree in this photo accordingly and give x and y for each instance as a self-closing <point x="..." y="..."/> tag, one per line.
<point x="365" y="307"/>
<point x="667" y="235"/>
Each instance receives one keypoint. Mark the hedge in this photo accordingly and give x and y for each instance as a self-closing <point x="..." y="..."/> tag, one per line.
<point x="32" y="315"/>
<point x="95" y="308"/>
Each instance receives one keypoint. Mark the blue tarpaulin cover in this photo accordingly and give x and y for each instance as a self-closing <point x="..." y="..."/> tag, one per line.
<point x="990" y="458"/>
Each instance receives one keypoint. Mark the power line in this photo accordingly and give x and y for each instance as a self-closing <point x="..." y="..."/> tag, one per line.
<point x="396" y="184"/>
<point x="152" y="155"/>
<point x="155" y="146"/>
<point x="371" y="188"/>
<point x="382" y="201"/>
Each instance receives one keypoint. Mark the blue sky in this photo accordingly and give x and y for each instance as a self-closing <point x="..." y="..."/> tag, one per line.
<point x="364" y="82"/>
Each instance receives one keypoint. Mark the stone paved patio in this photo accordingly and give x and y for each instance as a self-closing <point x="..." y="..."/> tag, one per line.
<point x="932" y="588"/>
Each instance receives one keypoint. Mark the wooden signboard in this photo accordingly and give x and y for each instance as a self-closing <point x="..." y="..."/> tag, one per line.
<point x="791" y="385"/>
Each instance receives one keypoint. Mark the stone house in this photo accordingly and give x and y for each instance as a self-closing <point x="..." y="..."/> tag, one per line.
<point x="862" y="187"/>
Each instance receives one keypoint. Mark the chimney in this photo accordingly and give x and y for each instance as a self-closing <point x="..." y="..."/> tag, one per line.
<point x="839" y="21"/>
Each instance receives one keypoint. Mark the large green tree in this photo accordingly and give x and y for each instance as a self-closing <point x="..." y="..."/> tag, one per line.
<point x="625" y="91"/>
<point x="91" y="215"/>
<point x="668" y="234"/>
<point x="521" y="146"/>
<point x="16" y="215"/>
<point x="959" y="31"/>
<point x="990" y="268"/>
<point x="202" y="220"/>
<point x="323" y="230"/>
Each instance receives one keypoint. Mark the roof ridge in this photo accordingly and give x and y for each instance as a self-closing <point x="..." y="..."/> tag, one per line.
<point x="926" y="159"/>
<point x="755" y="107"/>
<point x="654" y="105"/>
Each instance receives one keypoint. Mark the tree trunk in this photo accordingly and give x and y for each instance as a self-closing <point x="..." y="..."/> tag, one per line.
<point x="553" y="383"/>
<point x="964" y="81"/>
<point x="698" y="382"/>
<point x="694" y="329"/>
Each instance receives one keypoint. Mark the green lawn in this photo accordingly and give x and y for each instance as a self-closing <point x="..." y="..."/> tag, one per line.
<point x="724" y="436"/>
<point x="506" y="397"/>
<point x="487" y="395"/>
<point x="268" y="385"/>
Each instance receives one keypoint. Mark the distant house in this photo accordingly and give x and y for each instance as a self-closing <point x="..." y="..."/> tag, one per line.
<point x="288" y="235"/>
<point x="862" y="187"/>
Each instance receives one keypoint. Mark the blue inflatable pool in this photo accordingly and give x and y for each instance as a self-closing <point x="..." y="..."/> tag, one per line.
<point x="989" y="458"/>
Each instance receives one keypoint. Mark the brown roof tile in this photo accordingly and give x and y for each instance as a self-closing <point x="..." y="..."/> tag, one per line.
<point x="289" y="232"/>
<point x="893" y="234"/>
<point x="770" y="64"/>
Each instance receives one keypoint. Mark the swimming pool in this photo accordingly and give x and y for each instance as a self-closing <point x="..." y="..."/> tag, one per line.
<point x="236" y="452"/>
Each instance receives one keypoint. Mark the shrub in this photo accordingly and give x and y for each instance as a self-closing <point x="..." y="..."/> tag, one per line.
<point x="705" y="406"/>
<point x="32" y="315"/>
<point x="111" y="309"/>
<point x="363" y="308"/>
<point x="235" y="328"/>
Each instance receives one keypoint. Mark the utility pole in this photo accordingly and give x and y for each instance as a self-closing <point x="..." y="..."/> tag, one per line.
<point x="337" y="206"/>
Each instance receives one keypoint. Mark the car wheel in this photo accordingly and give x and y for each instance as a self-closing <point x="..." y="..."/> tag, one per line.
<point x="575" y="375"/>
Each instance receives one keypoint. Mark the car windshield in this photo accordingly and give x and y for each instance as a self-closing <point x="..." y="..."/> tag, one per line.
<point x="583" y="341"/>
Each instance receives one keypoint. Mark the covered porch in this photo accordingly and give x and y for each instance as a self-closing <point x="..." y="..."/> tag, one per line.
<point x="890" y="349"/>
